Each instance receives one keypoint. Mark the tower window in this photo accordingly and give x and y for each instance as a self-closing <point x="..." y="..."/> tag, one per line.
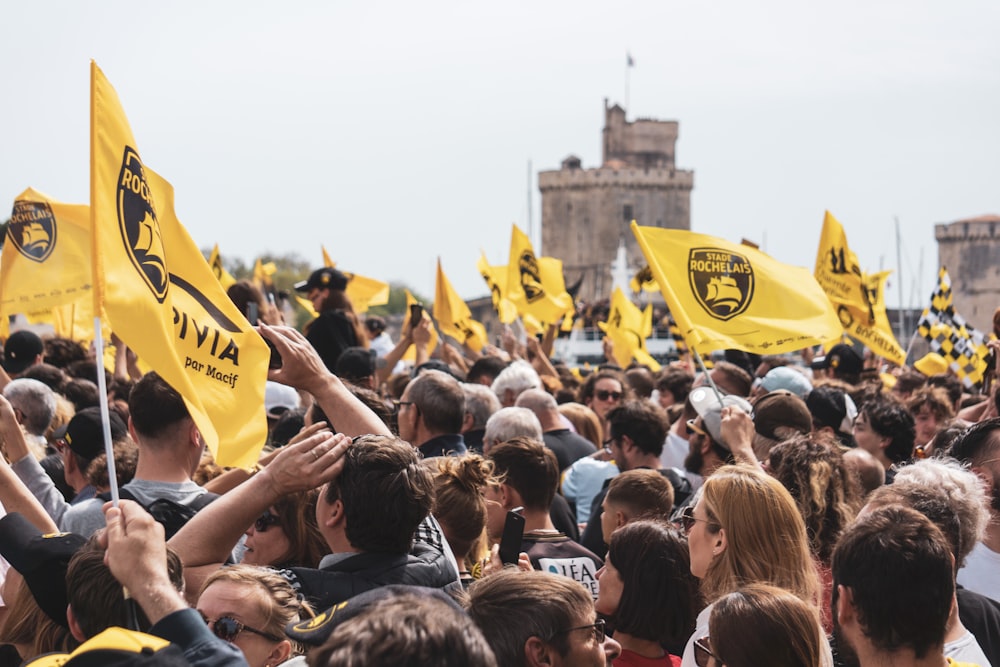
<point x="627" y="213"/>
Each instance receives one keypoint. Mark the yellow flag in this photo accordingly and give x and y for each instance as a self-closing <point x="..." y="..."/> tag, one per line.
<point x="453" y="314"/>
<point x="46" y="256"/>
<point x="643" y="281"/>
<point x="262" y="275"/>
<point x="729" y="296"/>
<point x="307" y="305"/>
<point x="411" y="352"/>
<point x="161" y="297"/>
<point x="628" y="328"/>
<point x="224" y="277"/>
<point x="535" y="285"/>
<point x="363" y="292"/>
<point x="496" y="280"/>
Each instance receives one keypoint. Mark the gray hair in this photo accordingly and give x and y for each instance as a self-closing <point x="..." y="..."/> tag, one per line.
<point x="36" y="402"/>
<point x="517" y="377"/>
<point x="510" y="423"/>
<point x="538" y="401"/>
<point x="480" y="402"/>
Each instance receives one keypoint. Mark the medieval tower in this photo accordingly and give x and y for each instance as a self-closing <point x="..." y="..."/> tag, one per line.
<point x="970" y="250"/>
<point x="586" y="213"/>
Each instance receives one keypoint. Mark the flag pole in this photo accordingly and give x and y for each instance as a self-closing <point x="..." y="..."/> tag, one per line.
<point x="708" y="378"/>
<point x="102" y="395"/>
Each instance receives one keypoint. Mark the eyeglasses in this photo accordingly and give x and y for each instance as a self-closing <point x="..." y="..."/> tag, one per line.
<point x="597" y="627"/>
<point x="686" y="519"/>
<point x="692" y="428"/>
<point x="604" y="395"/>
<point x="228" y="629"/>
<point x="398" y="404"/>
<point x="703" y="652"/>
<point x="264" y="520"/>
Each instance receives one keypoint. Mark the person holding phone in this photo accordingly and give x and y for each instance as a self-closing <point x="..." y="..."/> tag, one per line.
<point x="337" y="327"/>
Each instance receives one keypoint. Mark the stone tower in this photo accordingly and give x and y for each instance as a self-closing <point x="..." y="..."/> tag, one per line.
<point x="587" y="212"/>
<point x="970" y="250"/>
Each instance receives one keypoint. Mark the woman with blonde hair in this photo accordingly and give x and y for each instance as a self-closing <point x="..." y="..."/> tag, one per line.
<point x="746" y="529"/>
<point x="585" y="421"/>
<point x="762" y="625"/>
<point x="249" y="607"/>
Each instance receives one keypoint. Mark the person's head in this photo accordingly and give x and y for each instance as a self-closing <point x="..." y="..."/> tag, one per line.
<point x="635" y="494"/>
<point x="406" y="630"/>
<point x="765" y="625"/>
<point x="539" y="618"/>
<point x="459" y="504"/>
<point x="374" y="326"/>
<point x="242" y="293"/>
<point x="325" y="289"/>
<point x="908" y="382"/>
<point x="602" y="391"/>
<point x="357" y="365"/>
<point x="866" y="469"/>
<point x="544" y="405"/>
<point x="26" y="625"/>
<point x="841" y="362"/>
<point x="279" y="399"/>
<point x="53" y="376"/>
<point x="893" y="584"/>
<point x="480" y="404"/>
<point x="156" y="409"/>
<point x="778" y="416"/>
<point x="83" y="442"/>
<point x="96" y="599"/>
<point x="33" y="402"/>
<point x="81" y="393"/>
<point x="286" y="534"/>
<point x="747" y="529"/>
<point x="812" y="468"/>
<point x="673" y="386"/>
<point x="707" y="449"/>
<point x="508" y="423"/>
<point x="527" y="468"/>
<point x="834" y="411"/>
<point x="932" y="410"/>
<point x="885" y="430"/>
<point x="951" y="385"/>
<point x="21" y="350"/>
<point x="729" y="378"/>
<point x="379" y="499"/>
<point x="250" y="607"/>
<point x="641" y="381"/>
<point x="585" y="421"/>
<point x="432" y="404"/>
<point x="636" y="431"/>
<point x="784" y="378"/>
<point x="517" y="377"/>
<point x="947" y="493"/>
<point x="485" y="370"/>
<point x="646" y="584"/>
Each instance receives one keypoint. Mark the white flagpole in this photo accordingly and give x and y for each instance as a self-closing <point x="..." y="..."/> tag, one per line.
<point x="102" y="394"/>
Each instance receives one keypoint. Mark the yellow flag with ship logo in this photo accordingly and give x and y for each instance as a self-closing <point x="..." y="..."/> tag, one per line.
<point x="160" y="295"/>
<point x="729" y="296"/>
<point x="859" y="298"/>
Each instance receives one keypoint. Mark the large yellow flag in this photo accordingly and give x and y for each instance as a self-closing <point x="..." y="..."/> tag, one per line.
<point x="363" y="292"/>
<point x="160" y="295"/>
<point x="224" y="277"/>
<point x="729" y="296"/>
<point x="453" y="314"/>
<point x="535" y="285"/>
<point x="46" y="257"/>
<point x="858" y="306"/>
<point x="496" y="280"/>
<point x="628" y="328"/>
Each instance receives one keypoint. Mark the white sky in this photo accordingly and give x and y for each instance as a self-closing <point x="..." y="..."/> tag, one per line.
<point x="397" y="132"/>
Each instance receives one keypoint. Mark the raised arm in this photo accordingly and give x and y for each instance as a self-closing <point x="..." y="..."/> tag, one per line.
<point x="303" y="369"/>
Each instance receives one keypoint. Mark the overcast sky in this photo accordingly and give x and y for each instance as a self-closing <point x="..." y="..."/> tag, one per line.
<point x="397" y="132"/>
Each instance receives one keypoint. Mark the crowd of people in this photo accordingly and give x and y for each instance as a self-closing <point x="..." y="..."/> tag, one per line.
<point x="830" y="510"/>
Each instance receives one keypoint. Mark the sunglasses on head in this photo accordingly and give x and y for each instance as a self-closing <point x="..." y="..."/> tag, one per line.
<point x="264" y="520"/>
<point x="228" y="629"/>
<point x="703" y="652"/>
<point x="692" y="428"/>
<point x="604" y="395"/>
<point x="686" y="519"/>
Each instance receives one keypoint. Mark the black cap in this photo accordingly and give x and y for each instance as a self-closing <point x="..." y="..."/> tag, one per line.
<point x="21" y="350"/>
<point x="375" y="324"/>
<point x="315" y="631"/>
<point x="355" y="363"/>
<point x="842" y="359"/>
<point x="42" y="560"/>
<point x="325" y="277"/>
<point x="85" y="435"/>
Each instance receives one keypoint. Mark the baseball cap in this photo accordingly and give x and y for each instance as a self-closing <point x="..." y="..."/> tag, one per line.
<point x="708" y="407"/>
<point x="279" y="398"/>
<point x="842" y="359"/>
<point x="355" y="363"/>
<point x="375" y="324"/>
<point x="42" y="560"/>
<point x="117" y="647"/>
<point x="831" y="407"/>
<point x="931" y="363"/>
<point x="789" y="379"/>
<point x="325" y="277"/>
<point x="315" y="631"/>
<point x="21" y="350"/>
<point x="84" y="433"/>
<point x="781" y="408"/>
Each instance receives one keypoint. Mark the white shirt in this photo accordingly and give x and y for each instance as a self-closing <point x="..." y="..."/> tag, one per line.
<point x="982" y="572"/>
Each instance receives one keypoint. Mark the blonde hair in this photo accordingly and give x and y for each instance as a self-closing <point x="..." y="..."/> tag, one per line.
<point x="280" y="606"/>
<point x="26" y="623"/>
<point x="585" y="421"/>
<point x="765" y="535"/>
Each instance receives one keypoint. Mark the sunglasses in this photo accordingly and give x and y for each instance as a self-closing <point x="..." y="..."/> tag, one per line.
<point x="264" y="520"/>
<point x="692" y="428"/>
<point x="703" y="652"/>
<point x="597" y="628"/>
<point x="686" y="519"/>
<point x="604" y="395"/>
<point x="228" y="629"/>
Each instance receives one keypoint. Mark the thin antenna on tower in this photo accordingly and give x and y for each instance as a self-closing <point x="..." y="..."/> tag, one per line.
<point x="899" y="274"/>
<point x="531" y="233"/>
